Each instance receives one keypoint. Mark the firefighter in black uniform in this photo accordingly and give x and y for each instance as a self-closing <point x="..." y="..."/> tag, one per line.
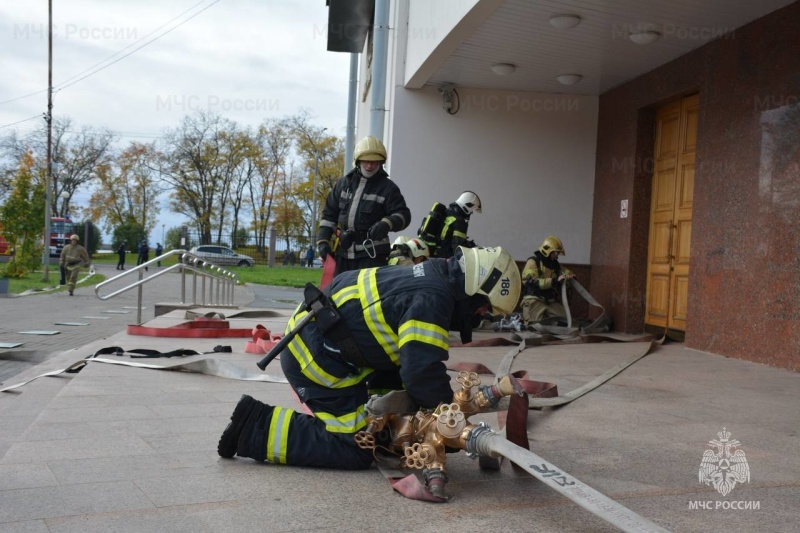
<point x="397" y="319"/>
<point x="444" y="229"/>
<point x="363" y="207"/>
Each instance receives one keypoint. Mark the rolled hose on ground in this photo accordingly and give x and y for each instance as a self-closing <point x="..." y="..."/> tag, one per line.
<point x="484" y="441"/>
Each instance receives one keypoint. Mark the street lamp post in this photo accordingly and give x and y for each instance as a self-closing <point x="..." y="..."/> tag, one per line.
<point x="64" y="198"/>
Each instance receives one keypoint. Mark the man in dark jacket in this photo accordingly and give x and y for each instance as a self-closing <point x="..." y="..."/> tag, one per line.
<point x="363" y="207"/>
<point x="121" y="255"/>
<point x="392" y="335"/>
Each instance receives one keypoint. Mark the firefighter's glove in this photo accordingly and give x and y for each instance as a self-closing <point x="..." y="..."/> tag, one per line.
<point x="323" y="249"/>
<point x="394" y="402"/>
<point x="378" y="231"/>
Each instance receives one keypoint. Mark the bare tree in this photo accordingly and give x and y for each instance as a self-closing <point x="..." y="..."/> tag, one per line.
<point x="128" y="189"/>
<point x="198" y="162"/>
<point x="76" y="156"/>
<point x="274" y="142"/>
<point x="319" y="152"/>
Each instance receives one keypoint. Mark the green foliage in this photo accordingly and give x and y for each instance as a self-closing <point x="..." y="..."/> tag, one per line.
<point x="23" y="220"/>
<point x="130" y="232"/>
<point x="93" y="243"/>
<point x="240" y="238"/>
<point x="282" y="276"/>
<point x="33" y="281"/>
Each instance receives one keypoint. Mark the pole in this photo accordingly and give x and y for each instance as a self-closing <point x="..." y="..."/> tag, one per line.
<point x="352" y="94"/>
<point x="380" y="46"/>
<point x="49" y="120"/>
<point x="314" y="201"/>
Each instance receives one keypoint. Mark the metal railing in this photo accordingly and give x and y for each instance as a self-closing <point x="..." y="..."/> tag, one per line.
<point x="216" y="285"/>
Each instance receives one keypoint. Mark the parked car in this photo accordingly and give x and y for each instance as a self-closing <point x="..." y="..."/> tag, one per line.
<point x="222" y="256"/>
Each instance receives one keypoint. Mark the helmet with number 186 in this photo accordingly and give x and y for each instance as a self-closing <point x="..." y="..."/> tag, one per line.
<point x="493" y="273"/>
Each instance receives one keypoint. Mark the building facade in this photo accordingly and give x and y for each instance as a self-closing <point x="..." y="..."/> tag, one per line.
<point x="668" y="164"/>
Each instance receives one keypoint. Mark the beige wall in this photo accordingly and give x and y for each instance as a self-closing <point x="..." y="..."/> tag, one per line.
<point x="529" y="156"/>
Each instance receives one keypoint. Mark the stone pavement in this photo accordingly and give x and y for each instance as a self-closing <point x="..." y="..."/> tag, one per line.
<point x="123" y="449"/>
<point x="43" y="311"/>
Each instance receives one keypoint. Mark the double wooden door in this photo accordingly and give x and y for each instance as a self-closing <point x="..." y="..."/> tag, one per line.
<point x="671" y="214"/>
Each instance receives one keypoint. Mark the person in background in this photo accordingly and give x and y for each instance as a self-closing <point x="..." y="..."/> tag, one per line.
<point x="73" y="256"/>
<point x="444" y="229"/>
<point x="363" y="207"/>
<point x="144" y="253"/>
<point x="408" y="251"/>
<point x="310" y="256"/>
<point x="542" y="277"/>
<point x="121" y="255"/>
<point x="159" y="251"/>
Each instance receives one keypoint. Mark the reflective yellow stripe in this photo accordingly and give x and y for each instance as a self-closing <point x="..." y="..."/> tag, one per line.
<point x="415" y="330"/>
<point x="278" y="439"/>
<point x="311" y="369"/>
<point x="349" y="423"/>
<point x="344" y="295"/>
<point x="447" y="222"/>
<point x="460" y="234"/>
<point x="373" y="313"/>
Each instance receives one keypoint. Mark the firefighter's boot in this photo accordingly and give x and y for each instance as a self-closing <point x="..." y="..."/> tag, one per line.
<point x="245" y="415"/>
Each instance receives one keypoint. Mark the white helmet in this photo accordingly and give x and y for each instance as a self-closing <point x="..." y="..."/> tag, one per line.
<point x="400" y="240"/>
<point x="469" y="202"/>
<point x="493" y="273"/>
<point x="411" y="246"/>
<point x="418" y="248"/>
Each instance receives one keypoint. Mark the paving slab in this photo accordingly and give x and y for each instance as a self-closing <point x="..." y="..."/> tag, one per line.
<point x="117" y="448"/>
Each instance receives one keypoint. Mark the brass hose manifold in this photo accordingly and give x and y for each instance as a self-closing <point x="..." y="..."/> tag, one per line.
<point x="422" y="438"/>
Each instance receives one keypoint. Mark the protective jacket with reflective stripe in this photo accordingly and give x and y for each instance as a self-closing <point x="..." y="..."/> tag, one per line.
<point x="399" y="317"/>
<point x="454" y="233"/>
<point x="356" y="203"/>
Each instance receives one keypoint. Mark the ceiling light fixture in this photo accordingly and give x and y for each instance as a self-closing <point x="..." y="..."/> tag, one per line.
<point x="569" y="79"/>
<point x="644" y="37"/>
<point x="503" y="69"/>
<point x="564" y="22"/>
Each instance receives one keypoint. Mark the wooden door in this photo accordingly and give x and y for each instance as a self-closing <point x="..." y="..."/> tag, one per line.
<point x="671" y="214"/>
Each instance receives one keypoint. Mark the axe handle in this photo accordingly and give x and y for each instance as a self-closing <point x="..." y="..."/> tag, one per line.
<point x="278" y="348"/>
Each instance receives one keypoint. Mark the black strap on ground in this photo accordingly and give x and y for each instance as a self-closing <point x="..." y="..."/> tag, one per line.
<point x="211" y="367"/>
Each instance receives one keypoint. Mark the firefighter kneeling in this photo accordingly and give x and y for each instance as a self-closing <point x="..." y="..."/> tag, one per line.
<point x="407" y="251"/>
<point x="396" y="322"/>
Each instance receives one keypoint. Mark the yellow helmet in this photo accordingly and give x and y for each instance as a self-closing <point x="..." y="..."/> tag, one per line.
<point x="74" y="237"/>
<point x="369" y="149"/>
<point x="552" y="244"/>
<point x="493" y="273"/>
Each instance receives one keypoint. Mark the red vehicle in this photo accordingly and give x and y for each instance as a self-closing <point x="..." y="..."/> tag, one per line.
<point x="60" y="230"/>
<point x="5" y="248"/>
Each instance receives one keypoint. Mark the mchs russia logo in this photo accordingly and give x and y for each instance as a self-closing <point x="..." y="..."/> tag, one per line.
<point x="723" y="466"/>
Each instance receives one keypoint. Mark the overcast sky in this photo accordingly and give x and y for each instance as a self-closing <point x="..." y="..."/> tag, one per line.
<point x="245" y="59"/>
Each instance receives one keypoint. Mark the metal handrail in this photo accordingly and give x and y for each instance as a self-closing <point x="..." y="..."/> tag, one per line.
<point x="220" y="282"/>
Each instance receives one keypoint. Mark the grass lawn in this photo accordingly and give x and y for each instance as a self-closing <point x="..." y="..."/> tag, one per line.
<point x="35" y="281"/>
<point x="282" y="276"/>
